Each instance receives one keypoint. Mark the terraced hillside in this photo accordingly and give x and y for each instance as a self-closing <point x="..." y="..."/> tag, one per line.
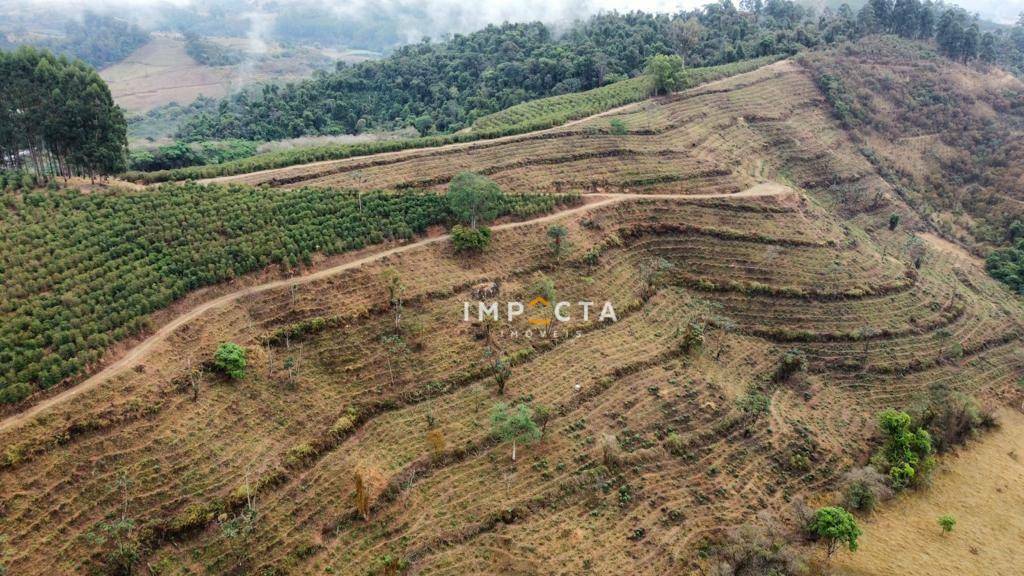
<point x="697" y="141"/>
<point x="359" y="441"/>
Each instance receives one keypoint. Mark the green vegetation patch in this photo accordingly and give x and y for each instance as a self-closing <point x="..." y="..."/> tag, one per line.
<point x="80" y="271"/>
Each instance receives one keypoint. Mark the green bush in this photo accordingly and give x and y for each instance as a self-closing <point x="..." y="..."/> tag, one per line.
<point x="835" y="527"/>
<point x="14" y="393"/>
<point x="792" y="361"/>
<point x="907" y="452"/>
<point x="230" y="359"/>
<point x="468" y="239"/>
<point x="947" y="523"/>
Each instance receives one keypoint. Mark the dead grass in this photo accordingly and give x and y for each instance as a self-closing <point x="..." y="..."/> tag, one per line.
<point x="160" y="72"/>
<point x="982" y="486"/>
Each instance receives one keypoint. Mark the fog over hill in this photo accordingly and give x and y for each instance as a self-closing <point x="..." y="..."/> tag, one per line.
<point x="369" y="24"/>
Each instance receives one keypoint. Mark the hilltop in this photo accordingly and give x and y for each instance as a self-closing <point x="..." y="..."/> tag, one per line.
<point x="776" y="287"/>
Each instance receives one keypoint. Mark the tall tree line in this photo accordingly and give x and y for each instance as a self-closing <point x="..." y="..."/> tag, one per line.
<point x="57" y="118"/>
<point x="442" y="87"/>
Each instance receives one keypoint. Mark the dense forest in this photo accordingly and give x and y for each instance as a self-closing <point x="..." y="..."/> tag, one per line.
<point x="57" y="117"/>
<point x="442" y="87"/>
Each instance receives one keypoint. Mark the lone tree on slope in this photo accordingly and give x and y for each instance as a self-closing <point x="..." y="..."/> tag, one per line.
<point x="666" y="72"/>
<point x="835" y="527"/>
<point x="472" y="198"/>
<point x="516" y="426"/>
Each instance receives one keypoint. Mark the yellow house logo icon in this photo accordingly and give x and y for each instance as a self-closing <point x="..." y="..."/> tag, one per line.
<point x="540" y="304"/>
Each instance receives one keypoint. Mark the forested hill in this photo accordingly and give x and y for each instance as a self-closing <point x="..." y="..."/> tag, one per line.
<point x="442" y="87"/>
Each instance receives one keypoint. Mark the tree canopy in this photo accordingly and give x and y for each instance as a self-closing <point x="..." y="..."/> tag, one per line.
<point x="473" y="198"/>
<point x="57" y="117"/>
<point x="230" y="358"/>
<point x="836" y="527"/>
<point x="666" y="71"/>
<point x="514" y="425"/>
<point x="440" y="87"/>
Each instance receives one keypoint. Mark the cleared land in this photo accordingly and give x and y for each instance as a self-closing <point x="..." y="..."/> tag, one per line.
<point x="649" y="454"/>
<point x="161" y="72"/>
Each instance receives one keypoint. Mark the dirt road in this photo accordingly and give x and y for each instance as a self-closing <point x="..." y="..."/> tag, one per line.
<point x="430" y="149"/>
<point x="136" y="354"/>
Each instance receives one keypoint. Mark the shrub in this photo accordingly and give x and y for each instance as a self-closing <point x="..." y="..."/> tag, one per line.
<point x="757" y="549"/>
<point x="791" y="362"/>
<point x="894" y="221"/>
<point x="947" y="523"/>
<point x="230" y="360"/>
<point x="754" y="402"/>
<point x="14" y="393"/>
<point x="834" y="526"/>
<point x="864" y="489"/>
<point x="466" y="239"/>
<point x="951" y="418"/>
<point x="616" y="127"/>
<point x="907" y="452"/>
<point x="693" y="338"/>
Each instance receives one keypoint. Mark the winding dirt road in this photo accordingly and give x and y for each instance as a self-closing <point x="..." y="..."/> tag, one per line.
<point x="134" y="355"/>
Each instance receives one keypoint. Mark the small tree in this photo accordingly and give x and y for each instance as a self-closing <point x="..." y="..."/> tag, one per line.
<point x="557" y="233"/>
<point x="907" y="452"/>
<point x="396" y="289"/>
<point x="894" y="221"/>
<point x="394" y="347"/>
<point x="230" y="359"/>
<point x="666" y="72"/>
<point x="542" y="415"/>
<point x="835" y="527"/>
<point x="947" y="523"/>
<point x="502" y="372"/>
<point x="515" y="426"/>
<point x="119" y="535"/>
<point x="472" y="198"/>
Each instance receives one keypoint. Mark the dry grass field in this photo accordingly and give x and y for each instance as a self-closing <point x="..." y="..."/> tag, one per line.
<point x="652" y="450"/>
<point x="983" y="488"/>
<point x="161" y="72"/>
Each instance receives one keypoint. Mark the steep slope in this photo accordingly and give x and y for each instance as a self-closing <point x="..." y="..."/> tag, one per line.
<point x="949" y="136"/>
<point x="653" y="446"/>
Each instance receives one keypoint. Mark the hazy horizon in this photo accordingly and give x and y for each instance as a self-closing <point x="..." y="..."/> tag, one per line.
<point x="435" y="18"/>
